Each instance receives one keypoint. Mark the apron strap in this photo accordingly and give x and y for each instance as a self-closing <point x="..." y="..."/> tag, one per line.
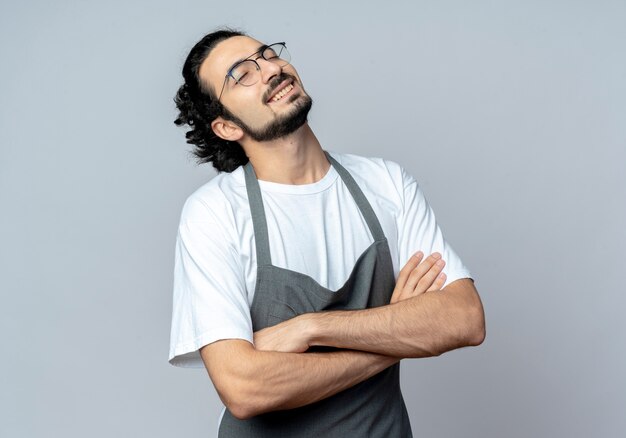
<point x="361" y="201"/>
<point x="259" y="223"/>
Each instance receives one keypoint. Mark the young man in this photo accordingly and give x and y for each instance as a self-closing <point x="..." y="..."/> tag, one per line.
<point x="300" y="276"/>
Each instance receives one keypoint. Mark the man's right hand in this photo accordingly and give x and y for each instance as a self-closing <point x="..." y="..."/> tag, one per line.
<point x="415" y="278"/>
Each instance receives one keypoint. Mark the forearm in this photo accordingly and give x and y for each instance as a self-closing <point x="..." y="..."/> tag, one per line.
<point x="426" y="325"/>
<point x="268" y="381"/>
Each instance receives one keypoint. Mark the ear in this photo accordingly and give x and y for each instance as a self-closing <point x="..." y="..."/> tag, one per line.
<point x="226" y="129"/>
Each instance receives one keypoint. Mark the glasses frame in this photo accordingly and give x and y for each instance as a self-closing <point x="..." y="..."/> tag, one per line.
<point x="261" y="51"/>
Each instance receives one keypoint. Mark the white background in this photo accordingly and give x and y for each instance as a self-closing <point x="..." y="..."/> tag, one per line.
<point x="509" y="114"/>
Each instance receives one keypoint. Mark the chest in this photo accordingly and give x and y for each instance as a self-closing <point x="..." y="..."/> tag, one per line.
<point x="321" y="235"/>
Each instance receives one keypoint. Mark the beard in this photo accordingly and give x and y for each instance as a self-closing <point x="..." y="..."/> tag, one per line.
<point x="283" y="125"/>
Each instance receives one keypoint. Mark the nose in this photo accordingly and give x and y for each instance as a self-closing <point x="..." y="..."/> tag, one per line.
<point x="268" y="69"/>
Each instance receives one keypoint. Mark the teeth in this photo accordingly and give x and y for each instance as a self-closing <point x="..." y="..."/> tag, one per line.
<point x="282" y="92"/>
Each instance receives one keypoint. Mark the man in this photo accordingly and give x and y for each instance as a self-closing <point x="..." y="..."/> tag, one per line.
<point x="288" y="286"/>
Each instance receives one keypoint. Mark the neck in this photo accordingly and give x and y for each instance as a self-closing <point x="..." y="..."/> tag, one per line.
<point x="295" y="159"/>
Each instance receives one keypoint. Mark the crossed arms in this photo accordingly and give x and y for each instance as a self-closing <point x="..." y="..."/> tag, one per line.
<point x="422" y="320"/>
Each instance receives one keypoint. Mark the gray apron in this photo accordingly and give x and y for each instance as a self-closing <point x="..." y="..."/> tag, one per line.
<point x="373" y="408"/>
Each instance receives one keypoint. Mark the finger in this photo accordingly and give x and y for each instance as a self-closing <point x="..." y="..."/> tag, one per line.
<point x="434" y="279"/>
<point x="413" y="261"/>
<point x="439" y="282"/>
<point x="430" y="276"/>
<point x="417" y="273"/>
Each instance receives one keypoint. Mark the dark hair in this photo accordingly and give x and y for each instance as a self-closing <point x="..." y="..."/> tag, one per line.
<point x="199" y="106"/>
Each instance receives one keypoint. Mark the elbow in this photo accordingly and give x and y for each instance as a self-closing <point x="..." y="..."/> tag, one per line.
<point x="240" y="403"/>
<point x="475" y="334"/>
<point x="477" y="337"/>
<point x="234" y="367"/>
<point x="241" y="394"/>
<point x="246" y="396"/>
<point x="467" y="317"/>
<point x="473" y="317"/>
<point x="466" y="325"/>
<point x="468" y="332"/>
<point x="467" y="329"/>
<point x="241" y="412"/>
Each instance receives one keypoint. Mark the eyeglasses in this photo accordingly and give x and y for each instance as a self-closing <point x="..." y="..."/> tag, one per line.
<point x="248" y="72"/>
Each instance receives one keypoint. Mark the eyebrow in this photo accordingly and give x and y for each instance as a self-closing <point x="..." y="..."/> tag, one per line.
<point x="243" y="59"/>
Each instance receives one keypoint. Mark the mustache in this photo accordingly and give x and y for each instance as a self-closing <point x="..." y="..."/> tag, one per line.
<point x="274" y="83"/>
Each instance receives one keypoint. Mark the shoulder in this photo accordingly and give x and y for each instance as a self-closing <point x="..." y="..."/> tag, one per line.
<point x="213" y="200"/>
<point x="210" y="213"/>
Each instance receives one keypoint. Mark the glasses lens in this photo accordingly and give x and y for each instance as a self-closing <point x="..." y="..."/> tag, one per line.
<point x="246" y="72"/>
<point x="277" y="53"/>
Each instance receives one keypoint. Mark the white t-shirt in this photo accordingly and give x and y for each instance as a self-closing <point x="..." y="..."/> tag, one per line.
<point x="316" y="229"/>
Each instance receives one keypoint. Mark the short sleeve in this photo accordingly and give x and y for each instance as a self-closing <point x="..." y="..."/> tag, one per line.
<point x="209" y="294"/>
<point x="418" y="231"/>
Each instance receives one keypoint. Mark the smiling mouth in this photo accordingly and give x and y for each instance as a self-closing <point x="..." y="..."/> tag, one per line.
<point x="281" y="93"/>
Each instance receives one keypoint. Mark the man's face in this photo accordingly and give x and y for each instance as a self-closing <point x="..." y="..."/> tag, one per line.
<point x="255" y="108"/>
